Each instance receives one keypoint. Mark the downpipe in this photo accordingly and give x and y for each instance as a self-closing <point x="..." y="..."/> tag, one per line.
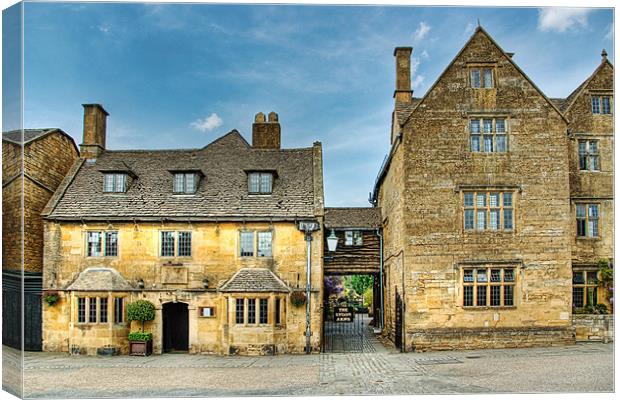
<point x="380" y="279"/>
<point x="308" y="288"/>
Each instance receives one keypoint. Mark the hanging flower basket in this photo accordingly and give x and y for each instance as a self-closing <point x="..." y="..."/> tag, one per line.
<point x="51" y="298"/>
<point x="298" y="298"/>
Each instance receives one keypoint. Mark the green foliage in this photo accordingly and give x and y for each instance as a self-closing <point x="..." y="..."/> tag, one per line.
<point x="51" y="298"/>
<point x="606" y="272"/>
<point x="368" y="294"/>
<point x="140" y="336"/>
<point x="601" y="309"/>
<point x="358" y="283"/>
<point x="298" y="298"/>
<point x="141" y="310"/>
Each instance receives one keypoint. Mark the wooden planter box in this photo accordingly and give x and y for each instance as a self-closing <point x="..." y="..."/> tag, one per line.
<point x="140" y="348"/>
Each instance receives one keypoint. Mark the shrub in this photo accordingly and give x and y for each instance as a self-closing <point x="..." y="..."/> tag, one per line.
<point x="140" y="336"/>
<point x="141" y="310"/>
<point x="601" y="309"/>
<point x="298" y="298"/>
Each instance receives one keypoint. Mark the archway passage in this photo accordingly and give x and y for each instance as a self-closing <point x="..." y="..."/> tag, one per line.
<point x="175" y="327"/>
<point x="351" y="312"/>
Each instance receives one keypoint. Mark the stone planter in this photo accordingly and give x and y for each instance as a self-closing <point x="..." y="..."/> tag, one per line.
<point x="140" y="347"/>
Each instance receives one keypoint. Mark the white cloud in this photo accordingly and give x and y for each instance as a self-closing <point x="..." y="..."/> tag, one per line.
<point x="469" y="29"/>
<point x="610" y="32"/>
<point x="424" y="54"/>
<point x="207" y="124"/>
<point x="104" y="29"/>
<point x="417" y="81"/>
<point x="421" y="32"/>
<point x="561" y="19"/>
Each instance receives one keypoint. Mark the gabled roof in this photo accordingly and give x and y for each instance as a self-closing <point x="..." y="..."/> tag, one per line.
<point x="31" y="135"/>
<point x="100" y="278"/>
<point x="222" y="192"/>
<point x="570" y="100"/>
<point x="480" y="30"/>
<point x="352" y="217"/>
<point x="254" y="280"/>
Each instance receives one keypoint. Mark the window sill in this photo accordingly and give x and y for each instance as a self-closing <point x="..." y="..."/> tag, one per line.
<point x="589" y="238"/>
<point x="488" y="308"/>
<point x="260" y="194"/>
<point x="101" y="257"/>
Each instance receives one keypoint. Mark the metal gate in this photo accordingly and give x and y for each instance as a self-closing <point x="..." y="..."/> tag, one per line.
<point x="12" y="298"/>
<point x="343" y="330"/>
<point x="398" y="323"/>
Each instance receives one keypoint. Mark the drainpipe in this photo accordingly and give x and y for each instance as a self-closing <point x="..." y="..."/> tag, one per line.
<point x="308" y="287"/>
<point x="308" y="227"/>
<point x="380" y="278"/>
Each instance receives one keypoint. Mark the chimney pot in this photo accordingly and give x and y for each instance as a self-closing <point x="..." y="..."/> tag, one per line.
<point x="260" y="117"/>
<point x="273" y="117"/>
<point x="604" y="55"/>
<point x="93" y="142"/>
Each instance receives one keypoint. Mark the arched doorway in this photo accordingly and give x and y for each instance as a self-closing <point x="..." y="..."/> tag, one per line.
<point x="176" y="327"/>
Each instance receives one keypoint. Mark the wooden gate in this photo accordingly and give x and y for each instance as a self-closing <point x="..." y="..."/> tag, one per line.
<point x="343" y="329"/>
<point x="398" y="323"/>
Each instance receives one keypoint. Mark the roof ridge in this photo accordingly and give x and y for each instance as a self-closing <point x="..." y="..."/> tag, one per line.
<point x="510" y="60"/>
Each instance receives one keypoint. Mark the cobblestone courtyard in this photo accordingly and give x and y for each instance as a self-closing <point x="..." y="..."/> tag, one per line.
<point x="579" y="368"/>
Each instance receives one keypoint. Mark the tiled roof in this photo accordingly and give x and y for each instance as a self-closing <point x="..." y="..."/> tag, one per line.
<point x="99" y="278"/>
<point x="559" y="102"/>
<point x="402" y="110"/>
<point x="31" y="135"/>
<point x="351" y="217"/>
<point x="254" y="280"/>
<point x="222" y="192"/>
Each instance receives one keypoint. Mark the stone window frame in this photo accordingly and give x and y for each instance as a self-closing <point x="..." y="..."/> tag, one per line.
<point x="588" y="156"/>
<point x="175" y="243"/>
<point x="481" y="135"/>
<point x="212" y="313"/>
<point x="481" y="68"/>
<point x="88" y="311"/>
<point x="587" y="218"/>
<point x="501" y="207"/>
<point x="586" y="272"/>
<point x="256" y="233"/>
<point x="597" y="104"/>
<point x="488" y="266"/>
<point x="257" y="298"/>
<point x="103" y="239"/>
<point x="115" y="301"/>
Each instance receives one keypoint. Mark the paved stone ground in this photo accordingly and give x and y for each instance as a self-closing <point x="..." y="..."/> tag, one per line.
<point x="579" y="368"/>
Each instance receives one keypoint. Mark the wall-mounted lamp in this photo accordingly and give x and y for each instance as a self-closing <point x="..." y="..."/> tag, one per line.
<point x="332" y="241"/>
<point x="205" y="282"/>
<point x="140" y="283"/>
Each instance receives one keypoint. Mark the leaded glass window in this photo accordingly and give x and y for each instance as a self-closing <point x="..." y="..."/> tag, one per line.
<point x="264" y="244"/>
<point x="260" y="182"/>
<point x="486" y="286"/>
<point x="263" y="315"/>
<point x="246" y="243"/>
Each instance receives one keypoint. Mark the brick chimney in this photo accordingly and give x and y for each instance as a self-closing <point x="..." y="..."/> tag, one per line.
<point x="403" y="92"/>
<point x="93" y="142"/>
<point x="266" y="135"/>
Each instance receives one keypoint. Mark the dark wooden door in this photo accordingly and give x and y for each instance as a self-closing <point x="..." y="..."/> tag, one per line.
<point x="398" y="323"/>
<point x="176" y="327"/>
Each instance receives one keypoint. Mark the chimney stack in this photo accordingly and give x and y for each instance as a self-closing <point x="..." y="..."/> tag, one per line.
<point x="266" y="135"/>
<point x="403" y="92"/>
<point x="603" y="55"/>
<point x="93" y="142"/>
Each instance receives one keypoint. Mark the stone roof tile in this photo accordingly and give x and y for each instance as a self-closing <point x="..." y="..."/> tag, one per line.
<point x="353" y="217"/>
<point x="254" y="280"/>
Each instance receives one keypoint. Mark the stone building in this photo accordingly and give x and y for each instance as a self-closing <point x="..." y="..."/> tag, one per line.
<point x="34" y="162"/>
<point x="479" y="198"/>
<point x="214" y="237"/>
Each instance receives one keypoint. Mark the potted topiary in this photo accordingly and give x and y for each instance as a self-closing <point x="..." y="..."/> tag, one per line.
<point x="140" y="343"/>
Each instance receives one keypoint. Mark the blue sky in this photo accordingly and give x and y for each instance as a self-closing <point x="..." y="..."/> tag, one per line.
<point x="179" y="76"/>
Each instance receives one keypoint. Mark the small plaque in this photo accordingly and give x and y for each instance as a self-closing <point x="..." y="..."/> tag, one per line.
<point x="343" y="314"/>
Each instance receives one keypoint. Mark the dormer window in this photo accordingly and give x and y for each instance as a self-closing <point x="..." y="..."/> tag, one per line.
<point x="115" y="183"/>
<point x="260" y="182"/>
<point x="185" y="182"/>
